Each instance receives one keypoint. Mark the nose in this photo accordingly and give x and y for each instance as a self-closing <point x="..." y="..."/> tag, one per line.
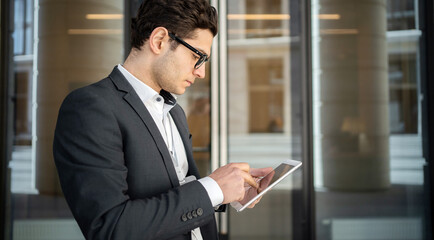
<point x="200" y="72"/>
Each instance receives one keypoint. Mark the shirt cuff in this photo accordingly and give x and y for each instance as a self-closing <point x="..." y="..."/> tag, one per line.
<point x="213" y="189"/>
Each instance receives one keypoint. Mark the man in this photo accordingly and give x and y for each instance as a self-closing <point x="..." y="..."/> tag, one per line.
<point x="122" y="145"/>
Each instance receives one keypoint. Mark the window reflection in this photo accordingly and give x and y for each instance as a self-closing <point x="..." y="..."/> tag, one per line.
<point x="403" y="86"/>
<point x="196" y="102"/>
<point x="368" y="160"/>
<point x="401" y="14"/>
<point x="266" y="95"/>
<point x="257" y="19"/>
<point x="260" y="120"/>
<point x="45" y="73"/>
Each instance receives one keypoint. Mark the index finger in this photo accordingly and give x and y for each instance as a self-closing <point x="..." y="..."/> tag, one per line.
<point x="243" y="166"/>
<point x="249" y="180"/>
<point x="260" y="172"/>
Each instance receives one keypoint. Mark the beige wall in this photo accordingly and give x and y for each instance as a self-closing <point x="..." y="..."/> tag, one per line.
<point x="69" y="58"/>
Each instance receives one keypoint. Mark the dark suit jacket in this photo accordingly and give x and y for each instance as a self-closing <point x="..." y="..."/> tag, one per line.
<point x="116" y="172"/>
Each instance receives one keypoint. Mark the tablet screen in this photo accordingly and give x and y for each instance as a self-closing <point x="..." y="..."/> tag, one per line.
<point x="277" y="173"/>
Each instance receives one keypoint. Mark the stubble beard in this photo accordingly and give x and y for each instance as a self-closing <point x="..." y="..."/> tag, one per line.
<point x="165" y="75"/>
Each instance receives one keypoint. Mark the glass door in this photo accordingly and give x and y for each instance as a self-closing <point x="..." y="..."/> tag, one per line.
<point x="58" y="47"/>
<point x="264" y="70"/>
<point x="368" y="162"/>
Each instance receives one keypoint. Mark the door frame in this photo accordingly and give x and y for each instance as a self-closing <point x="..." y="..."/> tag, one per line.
<point x="427" y="90"/>
<point x="309" y="212"/>
<point x="6" y="116"/>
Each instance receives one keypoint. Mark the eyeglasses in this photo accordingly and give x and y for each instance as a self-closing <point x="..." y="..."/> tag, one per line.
<point x="202" y="57"/>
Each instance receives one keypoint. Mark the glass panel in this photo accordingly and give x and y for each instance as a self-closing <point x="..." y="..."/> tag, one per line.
<point x="403" y="92"/>
<point x="401" y="15"/>
<point x="19" y="23"/>
<point x="72" y="51"/>
<point x="197" y="106"/>
<point x="23" y="27"/>
<point x="368" y="163"/>
<point x="264" y="119"/>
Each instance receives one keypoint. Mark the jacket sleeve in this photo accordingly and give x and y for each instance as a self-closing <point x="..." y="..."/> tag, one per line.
<point x="88" y="152"/>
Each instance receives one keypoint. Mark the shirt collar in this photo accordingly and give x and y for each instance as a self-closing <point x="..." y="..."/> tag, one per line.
<point x="146" y="93"/>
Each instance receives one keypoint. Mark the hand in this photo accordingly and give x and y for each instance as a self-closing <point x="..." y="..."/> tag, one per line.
<point x="263" y="183"/>
<point x="232" y="178"/>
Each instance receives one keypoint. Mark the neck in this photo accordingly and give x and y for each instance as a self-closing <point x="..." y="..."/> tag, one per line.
<point x="138" y="64"/>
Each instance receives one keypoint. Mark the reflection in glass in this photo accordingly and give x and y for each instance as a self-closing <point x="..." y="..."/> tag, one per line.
<point x="196" y="103"/>
<point x="367" y="143"/>
<point x="262" y="125"/>
<point x="70" y="50"/>
<point x="401" y="14"/>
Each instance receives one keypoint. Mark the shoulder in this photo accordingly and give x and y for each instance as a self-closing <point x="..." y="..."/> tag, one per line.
<point x="88" y="108"/>
<point x="93" y="89"/>
<point x="93" y="93"/>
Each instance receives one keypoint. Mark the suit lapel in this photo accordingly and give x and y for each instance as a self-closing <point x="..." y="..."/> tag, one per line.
<point x="179" y="119"/>
<point x="134" y="101"/>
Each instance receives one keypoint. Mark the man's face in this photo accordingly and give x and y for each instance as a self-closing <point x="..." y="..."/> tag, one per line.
<point x="175" y="70"/>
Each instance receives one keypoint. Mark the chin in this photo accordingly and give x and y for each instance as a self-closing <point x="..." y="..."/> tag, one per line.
<point x="179" y="91"/>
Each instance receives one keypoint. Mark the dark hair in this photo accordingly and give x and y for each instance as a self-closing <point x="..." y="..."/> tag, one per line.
<point x="180" y="17"/>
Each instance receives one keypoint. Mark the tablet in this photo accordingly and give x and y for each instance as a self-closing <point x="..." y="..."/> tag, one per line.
<point x="266" y="183"/>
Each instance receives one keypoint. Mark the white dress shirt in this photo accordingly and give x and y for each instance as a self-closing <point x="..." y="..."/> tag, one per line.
<point x="159" y="111"/>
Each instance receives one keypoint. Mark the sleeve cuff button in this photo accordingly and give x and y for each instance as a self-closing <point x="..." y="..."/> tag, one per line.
<point x="199" y="211"/>
<point x="184" y="217"/>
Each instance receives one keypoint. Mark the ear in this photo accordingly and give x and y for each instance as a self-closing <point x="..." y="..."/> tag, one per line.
<point x="158" y="40"/>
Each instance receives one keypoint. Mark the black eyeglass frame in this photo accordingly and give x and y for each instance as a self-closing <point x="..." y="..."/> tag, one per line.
<point x="202" y="57"/>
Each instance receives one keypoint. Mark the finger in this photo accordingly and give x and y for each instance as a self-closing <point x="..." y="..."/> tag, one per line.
<point x="249" y="179"/>
<point x="260" y="172"/>
<point x="257" y="179"/>
<point x="243" y="166"/>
